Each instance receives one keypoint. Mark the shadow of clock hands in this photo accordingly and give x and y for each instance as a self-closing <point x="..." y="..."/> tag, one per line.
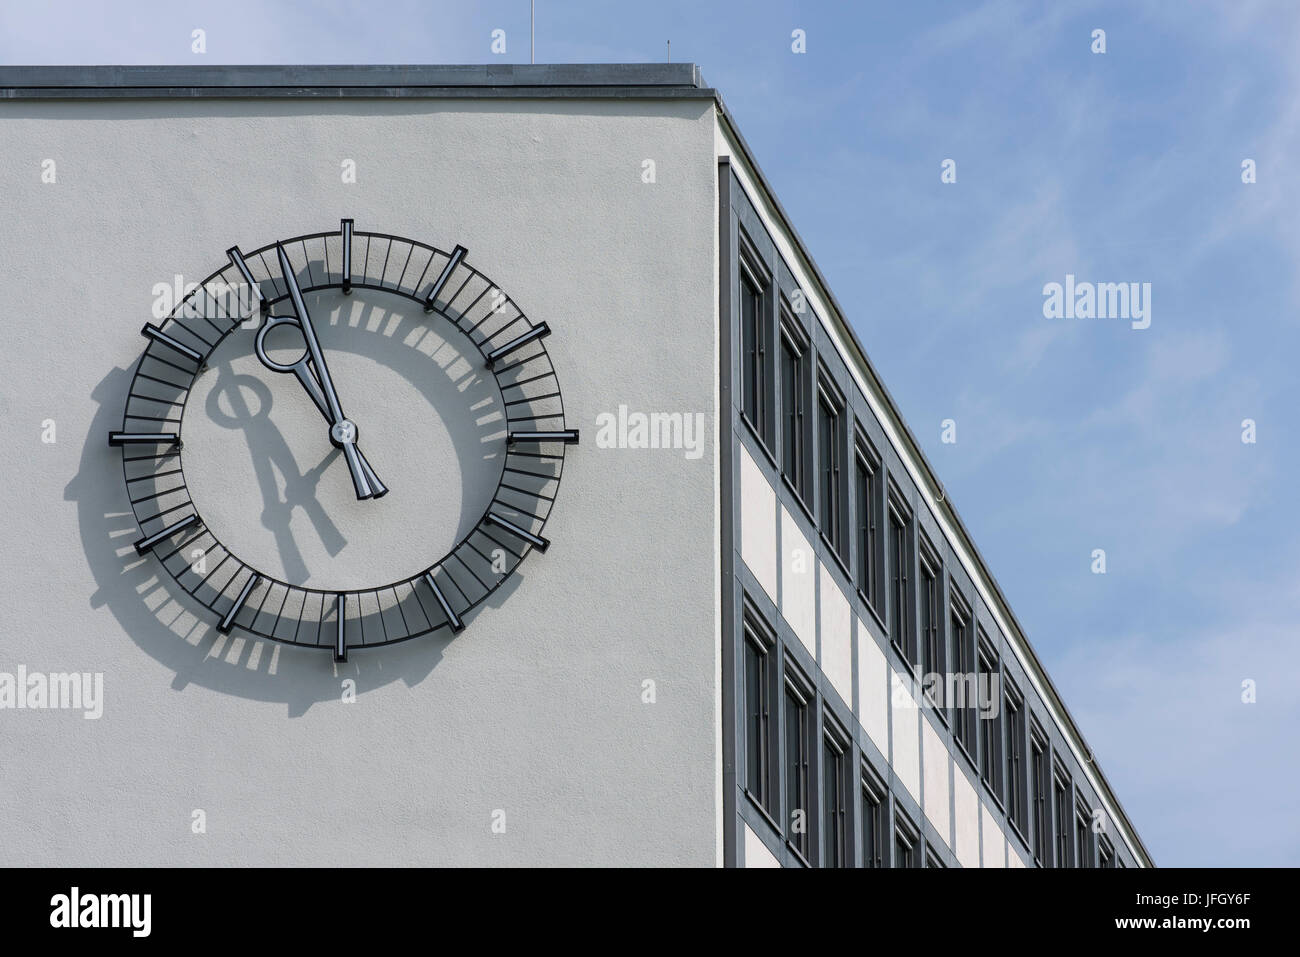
<point x="174" y="629"/>
<point x="275" y="466"/>
<point x="329" y="533"/>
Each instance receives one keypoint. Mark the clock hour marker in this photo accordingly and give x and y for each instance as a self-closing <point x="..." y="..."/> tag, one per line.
<point x="567" y="436"/>
<point x="237" y="258"/>
<point x="229" y="619"/>
<point x="536" y="541"/>
<point x="452" y="618"/>
<point x="144" y="544"/>
<point x="539" y="331"/>
<point x="157" y="335"/>
<point x="118" y="439"/>
<point x="345" y="227"/>
<point x="457" y="255"/>
<point x="340" y="637"/>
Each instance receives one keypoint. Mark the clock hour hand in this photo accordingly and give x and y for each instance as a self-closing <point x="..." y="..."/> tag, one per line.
<point x="313" y="374"/>
<point x="343" y="433"/>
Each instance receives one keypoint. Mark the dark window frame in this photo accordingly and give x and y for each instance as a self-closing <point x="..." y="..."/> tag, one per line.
<point x="868" y="555"/>
<point x="899" y="557"/>
<point x="990" y="734"/>
<point x="908" y="835"/>
<point x="1084" y="845"/>
<point x="874" y="837"/>
<point x="1062" y="819"/>
<point x="1105" y="853"/>
<point x="1014" y="746"/>
<point x="836" y="823"/>
<point x="1040" y="777"/>
<point x="757" y="372"/>
<point x="758" y="639"/>
<point x="963" y="661"/>
<point x="798" y="775"/>
<point x="832" y="476"/>
<point x="929" y="588"/>
<point x="795" y="362"/>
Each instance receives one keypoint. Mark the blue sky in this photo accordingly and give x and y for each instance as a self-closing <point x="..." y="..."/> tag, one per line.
<point x="1071" y="434"/>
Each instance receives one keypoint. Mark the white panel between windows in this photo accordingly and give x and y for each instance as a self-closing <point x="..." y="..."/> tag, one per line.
<point x="873" y="689"/>
<point x="935" y="760"/>
<point x="798" y="582"/>
<point x="906" y="759"/>
<point x="756" y="852"/>
<point x="757" y="524"/>
<point x="966" y="811"/>
<point x="837" y="636"/>
<point x="995" y="842"/>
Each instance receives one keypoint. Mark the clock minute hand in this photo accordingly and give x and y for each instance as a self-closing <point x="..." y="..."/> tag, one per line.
<point x="343" y="432"/>
<point x="346" y="436"/>
<point x="309" y="335"/>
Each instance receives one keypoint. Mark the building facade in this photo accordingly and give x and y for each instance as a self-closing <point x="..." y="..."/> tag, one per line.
<point x="698" y="579"/>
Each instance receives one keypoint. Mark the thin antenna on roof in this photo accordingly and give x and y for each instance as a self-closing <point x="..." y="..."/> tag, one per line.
<point x="532" y="26"/>
<point x="670" y="51"/>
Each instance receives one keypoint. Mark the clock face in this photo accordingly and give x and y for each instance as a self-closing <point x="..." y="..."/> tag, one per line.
<point x="343" y="439"/>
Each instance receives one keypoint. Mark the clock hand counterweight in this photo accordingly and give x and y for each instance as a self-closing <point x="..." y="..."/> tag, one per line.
<point x="314" y="376"/>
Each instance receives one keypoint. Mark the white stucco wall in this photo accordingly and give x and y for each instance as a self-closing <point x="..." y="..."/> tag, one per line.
<point x="537" y="709"/>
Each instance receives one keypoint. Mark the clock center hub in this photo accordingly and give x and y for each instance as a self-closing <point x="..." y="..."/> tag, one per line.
<point x="343" y="432"/>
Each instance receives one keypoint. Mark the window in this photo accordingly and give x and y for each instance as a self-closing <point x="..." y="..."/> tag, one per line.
<point x="755" y="394"/>
<point x="794" y="405"/>
<point x="1014" y="711"/>
<point x="796" y="767"/>
<point x="835" y="801"/>
<point x="830" y="456"/>
<point x="964" y="694"/>
<point x="1062" y="815"/>
<point x="990" y="723"/>
<point x="931" y="650"/>
<point x="900" y="623"/>
<point x="1083" y="835"/>
<point x="905" y="843"/>
<point x="760" y="690"/>
<point x="1038" y="802"/>
<point x="864" y="487"/>
<point x="875" y="833"/>
<point x="1106" y="853"/>
<point x="932" y="858"/>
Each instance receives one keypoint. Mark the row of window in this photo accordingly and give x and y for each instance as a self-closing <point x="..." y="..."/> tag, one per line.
<point x="813" y="406"/>
<point x="783" y="759"/>
<point x="780" y="734"/>
<point x="884" y="553"/>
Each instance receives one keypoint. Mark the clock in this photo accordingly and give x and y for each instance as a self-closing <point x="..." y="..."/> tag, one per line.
<point x="278" y="317"/>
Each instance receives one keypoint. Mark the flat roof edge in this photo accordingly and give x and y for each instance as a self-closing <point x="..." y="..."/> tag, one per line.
<point x="506" y="79"/>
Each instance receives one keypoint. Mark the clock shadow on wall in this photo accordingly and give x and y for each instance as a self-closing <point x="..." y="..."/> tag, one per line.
<point x="258" y="468"/>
